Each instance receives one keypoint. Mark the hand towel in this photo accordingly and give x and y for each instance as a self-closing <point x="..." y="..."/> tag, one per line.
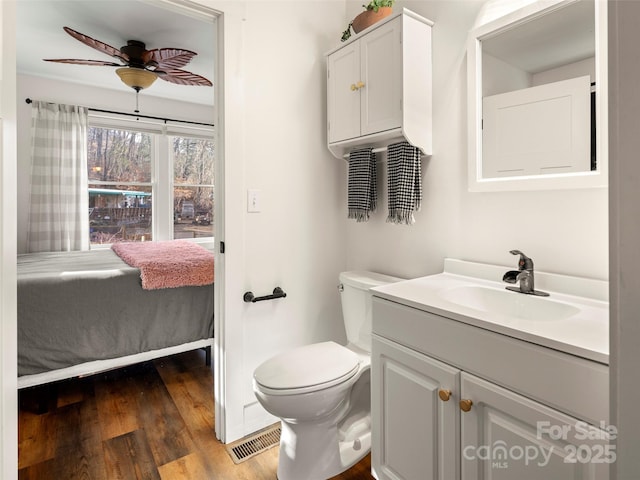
<point x="404" y="182"/>
<point x="361" y="185"/>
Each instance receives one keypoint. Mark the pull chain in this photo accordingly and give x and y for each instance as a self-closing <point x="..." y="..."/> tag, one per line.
<point x="137" y="92"/>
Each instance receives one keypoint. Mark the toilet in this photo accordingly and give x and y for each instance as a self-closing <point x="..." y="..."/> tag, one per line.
<point x="322" y="392"/>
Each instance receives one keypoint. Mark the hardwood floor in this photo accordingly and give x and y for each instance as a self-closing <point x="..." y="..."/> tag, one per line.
<point x="153" y="420"/>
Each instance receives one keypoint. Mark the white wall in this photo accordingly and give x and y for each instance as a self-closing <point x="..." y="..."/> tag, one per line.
<point x="275" y="141"/>
<point x="71" y="93"/>
<point x="296" y="241"/>
<point x="565" y="72"/>
<point x="499" y="76"/>
<point x="563" y="231"/>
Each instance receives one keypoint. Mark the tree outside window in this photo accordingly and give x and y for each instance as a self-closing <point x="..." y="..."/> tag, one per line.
<point x="193" y="163"/>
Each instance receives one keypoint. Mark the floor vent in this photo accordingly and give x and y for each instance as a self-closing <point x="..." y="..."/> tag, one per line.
<point x="252" y="445"/>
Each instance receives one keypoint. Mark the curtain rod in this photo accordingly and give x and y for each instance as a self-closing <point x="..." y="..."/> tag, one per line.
<point x="28" y="100"/>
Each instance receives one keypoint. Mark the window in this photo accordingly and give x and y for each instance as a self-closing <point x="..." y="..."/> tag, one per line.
<point x="120" y="187"/>
<point x="192" y="187"/>
<point x="143" y="174"/>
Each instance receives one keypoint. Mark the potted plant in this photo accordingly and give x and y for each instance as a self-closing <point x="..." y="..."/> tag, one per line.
<point x="375" y="11"/>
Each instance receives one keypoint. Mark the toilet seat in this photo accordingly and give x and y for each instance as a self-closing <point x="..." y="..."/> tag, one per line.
<point x="307" y="369"/>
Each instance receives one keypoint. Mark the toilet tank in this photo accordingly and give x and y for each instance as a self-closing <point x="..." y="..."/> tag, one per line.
<point x="356" y="304"/>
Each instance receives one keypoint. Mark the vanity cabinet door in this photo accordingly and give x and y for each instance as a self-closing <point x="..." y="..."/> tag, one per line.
<point x="415" y="418"/>
<point x="506" y="436"/>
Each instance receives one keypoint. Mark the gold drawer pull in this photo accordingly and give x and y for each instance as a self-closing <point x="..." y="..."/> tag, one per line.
<point x="444" y="395"/>
<point x="465" y="405"/>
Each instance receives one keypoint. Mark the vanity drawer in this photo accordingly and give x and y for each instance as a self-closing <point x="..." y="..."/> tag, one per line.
<point x="571" y="384"/>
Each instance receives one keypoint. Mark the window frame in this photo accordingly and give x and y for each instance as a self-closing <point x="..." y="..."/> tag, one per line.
<point x="162" y="172"/>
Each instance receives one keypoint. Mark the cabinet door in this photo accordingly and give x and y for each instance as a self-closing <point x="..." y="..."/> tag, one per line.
<point x="415" y="434"/>
<point x="538" y="130"/>
<point x="506" y="436"/>
<point x="381" y="73"/>
<point x="343" y="98"/>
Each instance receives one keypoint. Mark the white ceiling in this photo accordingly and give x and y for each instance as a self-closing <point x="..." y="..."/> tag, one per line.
<point x="155" y="22"/>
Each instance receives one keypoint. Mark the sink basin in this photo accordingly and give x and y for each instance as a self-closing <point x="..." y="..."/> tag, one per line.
<point x="505" y="302"/>
<point x="573" y="319"/>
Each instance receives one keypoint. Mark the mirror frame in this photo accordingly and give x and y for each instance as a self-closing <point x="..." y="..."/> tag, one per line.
<point x="560" y="181"/>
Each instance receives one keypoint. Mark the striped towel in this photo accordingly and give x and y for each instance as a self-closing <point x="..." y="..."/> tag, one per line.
<point x="405" y="188"/>
<point x="361" y="186"/>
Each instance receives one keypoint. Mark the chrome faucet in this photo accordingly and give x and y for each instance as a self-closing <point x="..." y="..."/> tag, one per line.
<point x="524" y="275"/>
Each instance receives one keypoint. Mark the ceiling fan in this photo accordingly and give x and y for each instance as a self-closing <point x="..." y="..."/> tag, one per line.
<point x="140" y="67"/>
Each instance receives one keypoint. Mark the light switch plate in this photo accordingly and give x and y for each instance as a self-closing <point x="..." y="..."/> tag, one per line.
<point x="253" y="201"/>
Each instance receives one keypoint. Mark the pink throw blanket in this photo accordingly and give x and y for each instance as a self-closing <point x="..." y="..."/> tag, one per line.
<point x="170" y="264"/>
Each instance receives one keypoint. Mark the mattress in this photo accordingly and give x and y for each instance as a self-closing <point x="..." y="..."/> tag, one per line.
<point x="77" y="307"/>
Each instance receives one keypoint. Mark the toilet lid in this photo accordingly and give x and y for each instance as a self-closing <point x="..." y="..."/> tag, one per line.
<point x="316" y="364"/>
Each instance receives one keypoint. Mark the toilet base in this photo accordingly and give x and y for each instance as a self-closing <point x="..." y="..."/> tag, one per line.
<point x="310" y="452"/>
<point x="323" y="432"/>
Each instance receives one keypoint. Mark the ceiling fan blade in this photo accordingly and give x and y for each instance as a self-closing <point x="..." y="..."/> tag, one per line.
<point x="182" y="77"/>
<point x="97" y="44"/>
<point x="169" y="58"/>
<point x="83" y="62"/>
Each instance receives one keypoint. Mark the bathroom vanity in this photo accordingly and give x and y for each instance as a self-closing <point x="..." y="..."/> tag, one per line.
<point x="471" y="381"/>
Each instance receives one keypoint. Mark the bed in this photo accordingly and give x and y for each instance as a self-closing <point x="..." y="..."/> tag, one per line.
<point x="84" y="312"/>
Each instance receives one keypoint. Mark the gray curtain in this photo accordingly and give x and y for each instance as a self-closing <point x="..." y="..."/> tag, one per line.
<point x="59" y="207"/>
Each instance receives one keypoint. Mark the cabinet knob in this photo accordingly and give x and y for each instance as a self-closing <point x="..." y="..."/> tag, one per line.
<point x="444" y="395"/>
<point x="465" y="405"/>
<point x="353" y="87"/>
<point x="360" y="85"/>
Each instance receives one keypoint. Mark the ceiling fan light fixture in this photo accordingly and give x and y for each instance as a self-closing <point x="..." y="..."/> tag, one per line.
<point x="136" y="78"/>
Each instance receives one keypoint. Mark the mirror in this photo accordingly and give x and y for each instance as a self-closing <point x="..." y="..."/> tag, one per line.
<point x="537" y="103"/>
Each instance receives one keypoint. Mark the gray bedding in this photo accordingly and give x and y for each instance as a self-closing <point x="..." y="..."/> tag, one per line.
<point x="75" y="307"/>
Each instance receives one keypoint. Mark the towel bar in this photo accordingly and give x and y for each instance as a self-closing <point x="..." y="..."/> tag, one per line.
<point x="376" y="150"/>
<point x="249" y="297"/>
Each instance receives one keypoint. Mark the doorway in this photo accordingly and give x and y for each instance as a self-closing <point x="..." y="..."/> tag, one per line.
<point x="177" y="9"/>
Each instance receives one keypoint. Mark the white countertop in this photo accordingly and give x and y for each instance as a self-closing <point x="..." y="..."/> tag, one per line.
<point x="584" y="334"/>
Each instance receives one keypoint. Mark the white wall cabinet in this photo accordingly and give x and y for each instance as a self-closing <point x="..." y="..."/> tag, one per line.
<point x="365" y="84"/>
<point x="505" y="434"/>
<point x="379" y="86"/>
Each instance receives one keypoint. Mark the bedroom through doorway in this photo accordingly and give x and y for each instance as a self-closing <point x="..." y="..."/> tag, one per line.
<point x="184" y="200"/>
